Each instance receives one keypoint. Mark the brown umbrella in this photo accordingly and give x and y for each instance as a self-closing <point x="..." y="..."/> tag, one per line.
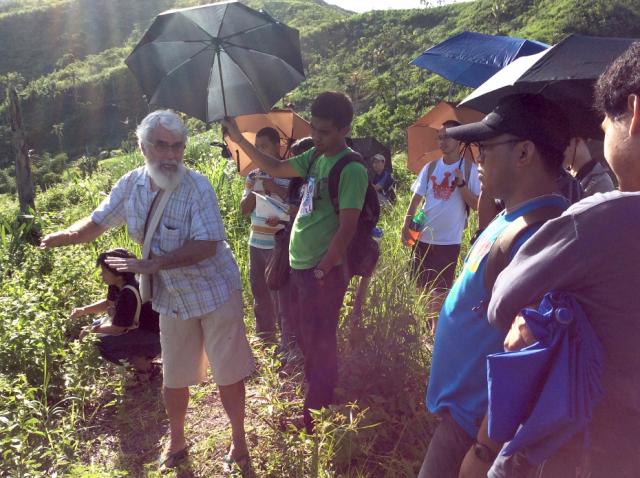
<point x="422" y="136"/>
<point x="286" y="122"/>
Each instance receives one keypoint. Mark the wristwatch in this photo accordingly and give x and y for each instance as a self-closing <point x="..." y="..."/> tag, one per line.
<point x="484" y="453"/>
<point x="318" y="273"/>
<point x="462" y="184"/>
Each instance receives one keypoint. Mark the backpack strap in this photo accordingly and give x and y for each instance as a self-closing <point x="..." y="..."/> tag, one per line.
<point x="431" y="168"/>
<point x="315" y="155"/>
<point x="136" y="317"/>
<point x="334" y="176"/>
<point x="500" y="253"/>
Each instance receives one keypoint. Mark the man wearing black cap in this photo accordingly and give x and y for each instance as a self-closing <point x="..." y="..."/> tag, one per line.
<point x="521" y="146"/>
<point x="593" y="252"/>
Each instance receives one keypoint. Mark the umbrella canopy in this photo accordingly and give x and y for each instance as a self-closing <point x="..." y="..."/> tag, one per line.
<point x="217" y="60"/>
<point x="543" y="395"/>
<point x="368" y="147"/>
<point x="288" y="124"/>
<point x="422" y="136"/>
<point x="471" y="58"/>
<point x="565" y="73"/>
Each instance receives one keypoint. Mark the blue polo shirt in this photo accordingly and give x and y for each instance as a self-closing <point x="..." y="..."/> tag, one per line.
<point x="464" y="337"/>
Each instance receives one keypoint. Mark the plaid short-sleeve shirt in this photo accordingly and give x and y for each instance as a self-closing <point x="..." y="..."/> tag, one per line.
<point x="191" y="213"/>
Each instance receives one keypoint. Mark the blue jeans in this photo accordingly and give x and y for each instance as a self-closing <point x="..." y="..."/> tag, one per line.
<point x="135" y="343"/>
<point x="319" y="304"/>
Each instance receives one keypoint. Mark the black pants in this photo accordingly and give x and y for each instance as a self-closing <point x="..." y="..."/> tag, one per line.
<point x="319" y="304"/>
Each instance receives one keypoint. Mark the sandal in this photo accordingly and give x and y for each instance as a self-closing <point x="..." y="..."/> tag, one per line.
<point x="172" y="460"/>
<point x="233" y="465"/>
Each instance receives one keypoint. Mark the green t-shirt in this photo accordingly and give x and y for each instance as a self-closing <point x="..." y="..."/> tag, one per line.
<point x="312" y="233"/>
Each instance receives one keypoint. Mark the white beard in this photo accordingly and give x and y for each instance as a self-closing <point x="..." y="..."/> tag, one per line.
<point x="165" y="174"/>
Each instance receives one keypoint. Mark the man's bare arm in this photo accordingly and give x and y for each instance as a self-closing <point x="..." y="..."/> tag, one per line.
<point x="472" y="466"/>
<point x="80" y="232"/>
<point x="346" y="231"/>
<point x="469" y="198"/>
<point x="273" y="166"/>
<point x="190" y="253"/>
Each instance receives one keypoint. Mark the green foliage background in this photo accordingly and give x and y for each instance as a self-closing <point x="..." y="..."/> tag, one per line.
<point x="66" y="58"/>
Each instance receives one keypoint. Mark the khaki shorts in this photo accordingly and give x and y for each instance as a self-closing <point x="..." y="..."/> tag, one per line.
<point x="218" y="338"/>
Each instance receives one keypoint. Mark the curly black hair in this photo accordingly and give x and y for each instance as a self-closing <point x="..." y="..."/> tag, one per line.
<point x="621" y="79"/>
<point x="334" y="106"/>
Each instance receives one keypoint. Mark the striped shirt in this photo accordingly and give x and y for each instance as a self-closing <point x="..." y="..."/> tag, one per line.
<point x="191" y="213"/>
<point x="262" y="234"/>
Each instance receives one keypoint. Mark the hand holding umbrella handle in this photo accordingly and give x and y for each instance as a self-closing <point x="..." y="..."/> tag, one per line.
<point x="230" y="129"/>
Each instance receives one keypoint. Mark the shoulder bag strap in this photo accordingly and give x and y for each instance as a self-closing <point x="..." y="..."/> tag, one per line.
<point x="136" y="317"/>
<point x="155" y="213"/>
<point x="500" y="253"/>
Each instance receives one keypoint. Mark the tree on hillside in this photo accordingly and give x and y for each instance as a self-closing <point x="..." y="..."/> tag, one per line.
<point x="58" y="130"/>
<point x="24" y="181"/>
<point x="498" y="10"/>
<point x="12" y="79"/>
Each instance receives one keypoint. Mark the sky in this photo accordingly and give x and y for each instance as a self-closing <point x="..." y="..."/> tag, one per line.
<point x="366" y="5"/>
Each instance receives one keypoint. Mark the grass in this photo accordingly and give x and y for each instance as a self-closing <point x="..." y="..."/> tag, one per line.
<point x="64" y="413"/>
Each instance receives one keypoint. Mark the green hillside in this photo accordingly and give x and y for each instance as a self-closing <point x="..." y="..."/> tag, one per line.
<point x="92" y="94"/>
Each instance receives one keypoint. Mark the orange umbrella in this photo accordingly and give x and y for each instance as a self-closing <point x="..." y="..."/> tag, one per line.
<point x="422" y="136"/>
<point x="286" y="122"/>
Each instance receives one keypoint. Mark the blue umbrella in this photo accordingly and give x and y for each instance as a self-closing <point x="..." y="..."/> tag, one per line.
<point x="543" y="395"/>
<point x="471" y="58"/>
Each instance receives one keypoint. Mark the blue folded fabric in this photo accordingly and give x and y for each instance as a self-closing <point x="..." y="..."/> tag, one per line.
<point x="543" y="395"/>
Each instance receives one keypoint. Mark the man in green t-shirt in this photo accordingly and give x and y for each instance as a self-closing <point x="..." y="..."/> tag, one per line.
<point x="320" y="237"/>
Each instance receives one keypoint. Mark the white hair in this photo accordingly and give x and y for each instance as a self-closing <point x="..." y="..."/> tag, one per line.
<point x="168" y="119"/>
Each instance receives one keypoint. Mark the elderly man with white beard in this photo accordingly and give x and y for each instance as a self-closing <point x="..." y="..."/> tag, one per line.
<point x="194" y="279"/>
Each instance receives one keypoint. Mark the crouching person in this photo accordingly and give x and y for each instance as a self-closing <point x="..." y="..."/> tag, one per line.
<point x="128" y="330"/>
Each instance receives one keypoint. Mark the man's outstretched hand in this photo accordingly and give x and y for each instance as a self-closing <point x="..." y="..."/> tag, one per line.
<point x="56" y="239"/>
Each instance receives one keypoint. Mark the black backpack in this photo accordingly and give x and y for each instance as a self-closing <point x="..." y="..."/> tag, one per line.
<point x="364" y="251"/>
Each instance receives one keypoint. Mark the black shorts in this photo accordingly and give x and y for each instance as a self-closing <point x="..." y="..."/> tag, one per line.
<point x="435" y="265"/>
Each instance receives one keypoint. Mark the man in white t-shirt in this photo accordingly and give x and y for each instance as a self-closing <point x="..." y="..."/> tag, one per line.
<point x="449" y="187"/>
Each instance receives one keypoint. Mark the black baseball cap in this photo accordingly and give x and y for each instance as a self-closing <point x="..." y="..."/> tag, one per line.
<point x="531" y="117"/>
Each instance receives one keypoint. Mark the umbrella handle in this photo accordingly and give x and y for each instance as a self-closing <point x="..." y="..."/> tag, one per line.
<point x="224" y="101"/>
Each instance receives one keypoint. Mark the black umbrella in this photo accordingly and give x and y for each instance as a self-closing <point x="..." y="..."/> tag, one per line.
<point x="217" y="60"/>
<point x="565" y="73"/>
<point x="368" y="147"/>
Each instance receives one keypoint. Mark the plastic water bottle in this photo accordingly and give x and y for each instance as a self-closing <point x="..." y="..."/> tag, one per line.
<point x="416" y="227"/>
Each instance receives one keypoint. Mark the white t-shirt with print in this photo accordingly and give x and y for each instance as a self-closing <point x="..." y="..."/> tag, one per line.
<point x="444" y="206"/>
